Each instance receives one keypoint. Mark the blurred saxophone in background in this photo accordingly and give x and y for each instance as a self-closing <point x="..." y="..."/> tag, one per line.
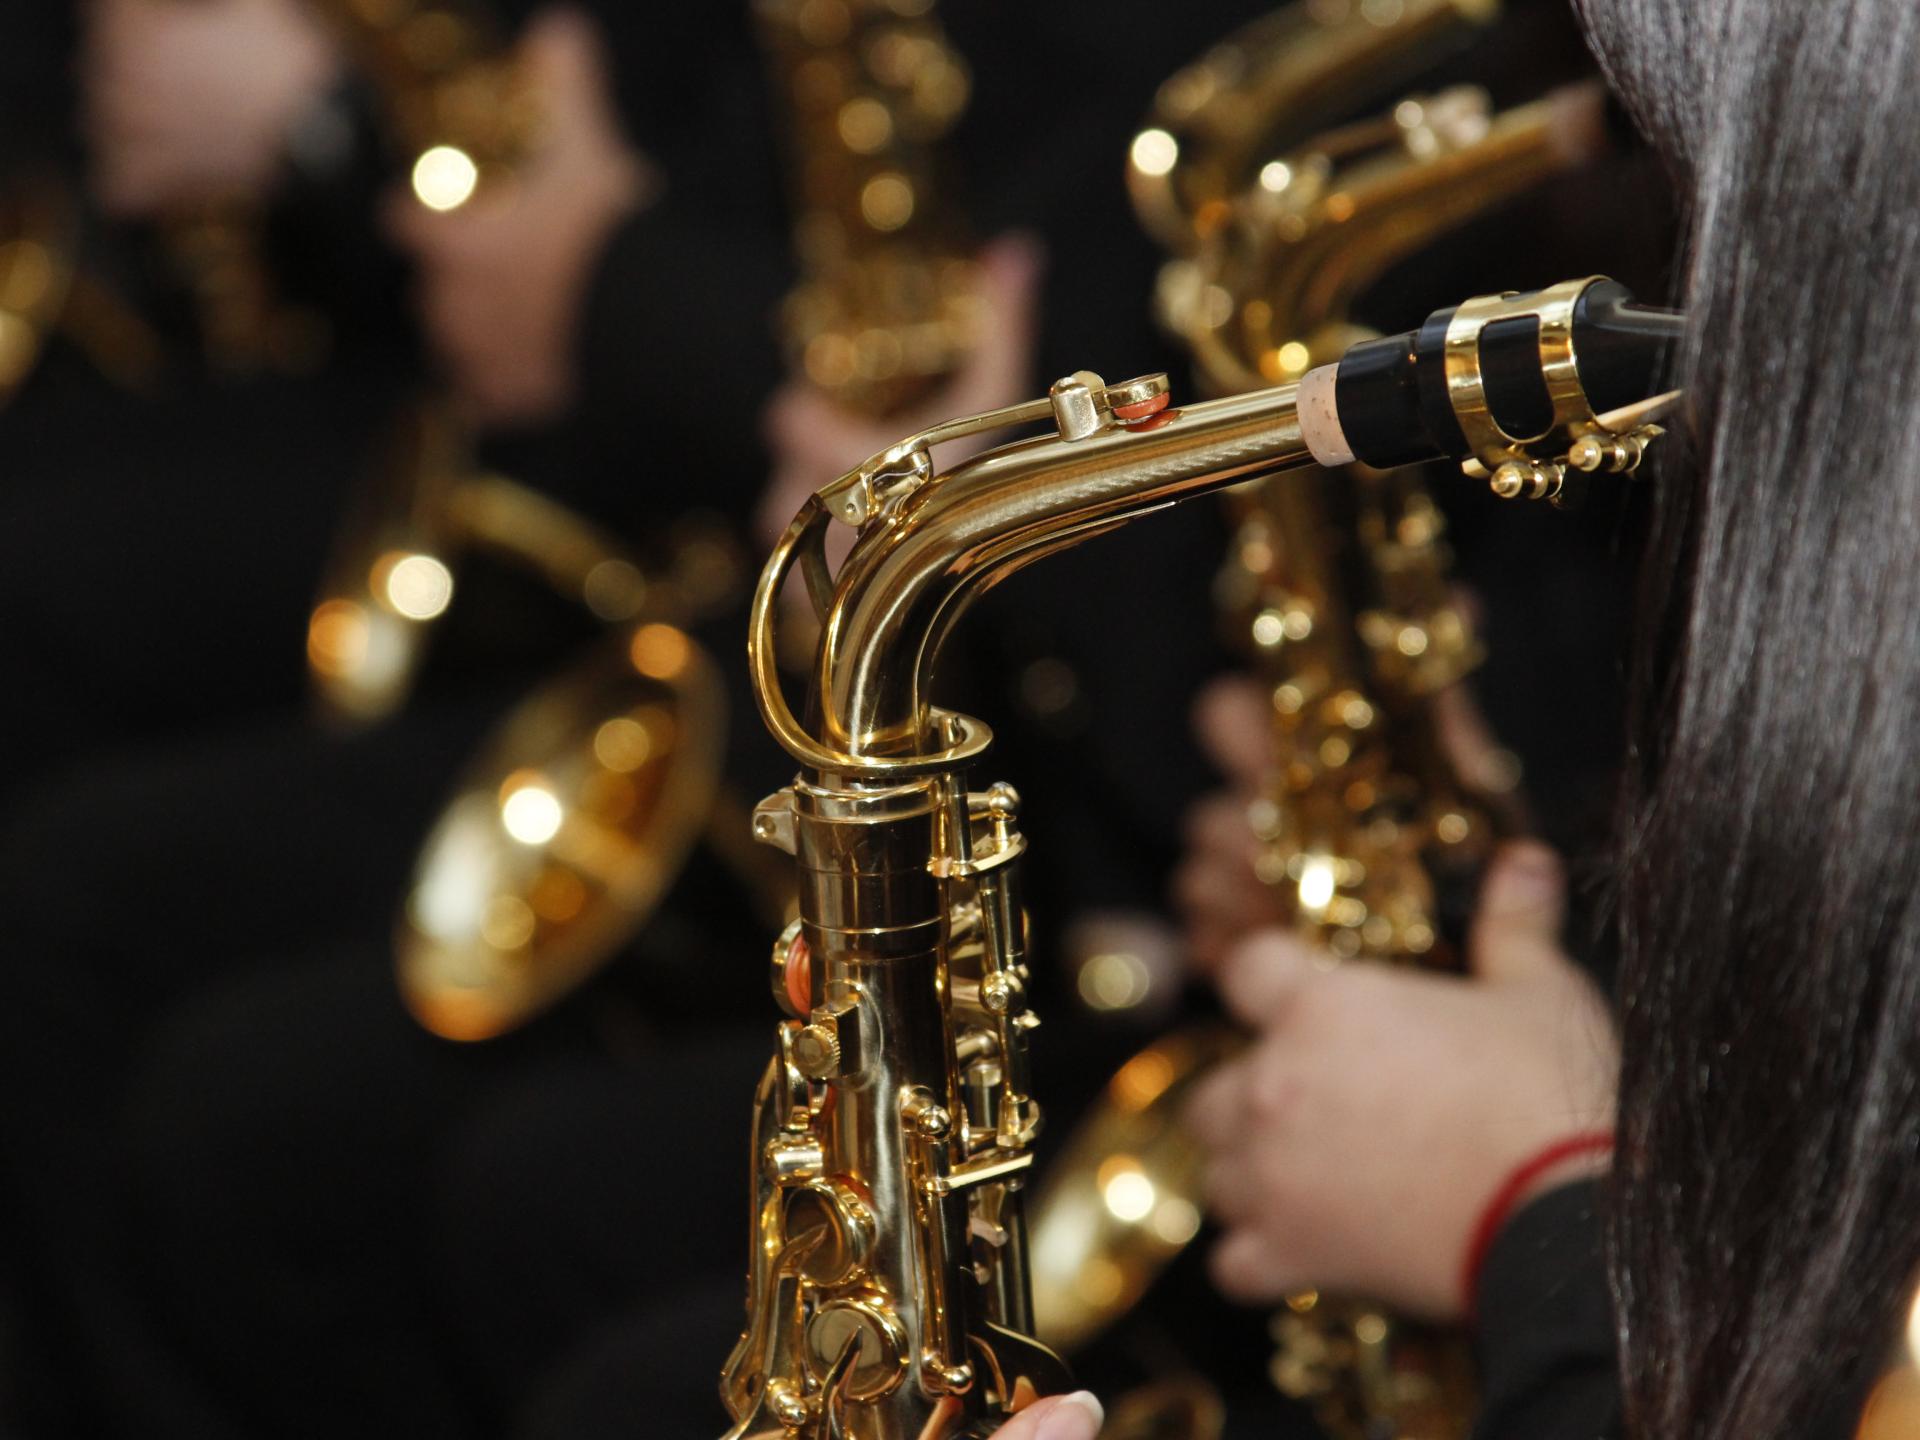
<point x="48" y="292"/>
<point x="579" y="812"/>
<point x="887" y="304"/>
<point x="1337" y="585"/>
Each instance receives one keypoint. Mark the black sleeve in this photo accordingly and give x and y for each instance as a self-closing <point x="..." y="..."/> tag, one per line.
<point x="1546" y="1339"/>
<point x="678" y="355"/>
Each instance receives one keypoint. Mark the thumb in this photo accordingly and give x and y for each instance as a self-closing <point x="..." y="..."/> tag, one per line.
<point x="563" y="58"/>
<point x="1264" y="973"/>
<point x="1010" y="270"/>
<point x="1233" y="718"/>
<point x="1058" y="1417"/>
<point x="1516" y="925"/>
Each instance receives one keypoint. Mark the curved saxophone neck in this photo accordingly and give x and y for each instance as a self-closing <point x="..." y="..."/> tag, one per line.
<point x="1266" y="88"/>
<point x="1328" y="221"/>
<point x="930" y="542"/>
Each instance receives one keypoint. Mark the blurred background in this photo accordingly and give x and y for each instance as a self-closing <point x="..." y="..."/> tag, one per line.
<point x="397" y="400"/>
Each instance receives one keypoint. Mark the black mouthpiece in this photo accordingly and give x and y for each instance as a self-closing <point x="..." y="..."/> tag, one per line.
<point x="1392" y="393"/>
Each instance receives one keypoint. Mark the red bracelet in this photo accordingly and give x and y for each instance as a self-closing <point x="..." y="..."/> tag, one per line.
<point x="1499" y="1209"/>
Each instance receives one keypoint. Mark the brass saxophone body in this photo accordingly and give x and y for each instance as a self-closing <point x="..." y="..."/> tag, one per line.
<point x="1216" y="123"/>
<point x="577" y="815"/>
<point x="1338" y="584"/>
<point x="887" y="302"/>
<point x="889" y="1275"/>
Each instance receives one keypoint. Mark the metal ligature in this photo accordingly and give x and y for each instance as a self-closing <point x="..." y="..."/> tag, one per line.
<point x="888" y="1281"/>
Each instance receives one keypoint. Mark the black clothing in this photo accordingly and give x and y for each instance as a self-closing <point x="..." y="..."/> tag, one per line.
<point x="1545" y="1337"/>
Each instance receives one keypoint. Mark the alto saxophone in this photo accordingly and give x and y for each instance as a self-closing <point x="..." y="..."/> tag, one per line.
<point x="1338" y="586"/>
<point x="578" y="813"/>
<point x="888" y="1274"/>
<point x="1216" y="123"/>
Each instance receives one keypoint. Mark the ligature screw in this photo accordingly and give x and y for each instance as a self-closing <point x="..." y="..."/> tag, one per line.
<point x="1615" y="454"/>
<point x="1527" y="480"/>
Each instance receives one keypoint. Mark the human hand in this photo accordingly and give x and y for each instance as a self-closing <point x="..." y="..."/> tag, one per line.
<point x="192" y="100"/>
<point x="503" y="278"/>
<point x="1058" y="1417"/>
<point x="1216" y="887"/>
<point x="812" y="440"/>
<point x="1358" y="1141"/>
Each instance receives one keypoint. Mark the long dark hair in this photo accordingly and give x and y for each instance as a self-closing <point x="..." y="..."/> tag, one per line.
<point x="1766" y="1218"/>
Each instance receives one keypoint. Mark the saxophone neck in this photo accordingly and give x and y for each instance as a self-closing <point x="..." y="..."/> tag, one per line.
<point x="930" y="542"/>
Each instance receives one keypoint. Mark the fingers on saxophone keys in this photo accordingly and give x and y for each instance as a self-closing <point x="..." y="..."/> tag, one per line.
<point x="1264" y="975"/>
<point x="1248" y="1265"/>
<point x="1217" y="1110"/>
<point x="1232" y="718"/>
<point x="1242" y="1107"/>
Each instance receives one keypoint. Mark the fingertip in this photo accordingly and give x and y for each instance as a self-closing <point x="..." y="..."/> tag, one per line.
<point x="1244" y="1268"/>
<point x="1262" y="974"/>
<point x="1524" y="876"/>
<point x="1019" y="254"/>
<point x="1078" y="1416"/>
<point x="1521" y="906"/>
<point x="1229" y="716"/>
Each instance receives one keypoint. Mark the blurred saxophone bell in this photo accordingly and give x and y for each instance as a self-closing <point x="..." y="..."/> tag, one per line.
<point x="563" y="835"/>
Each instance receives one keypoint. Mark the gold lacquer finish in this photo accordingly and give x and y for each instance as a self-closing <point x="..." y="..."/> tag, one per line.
<point x="1123" y="1196"/>
<point x="1337" y="584"/>
<point x="887" y="304"/>
<point x="453" y="100"/>
<point x="564" y="834"/>
<point x="36" y="276"/>
<point x="1216" y="124"/>
<point x="889" y="1283"/>
<point x="45" y="292"/>
<point x="427" y="508"/>
<point x="901" y="1076"/>
<point x="448" y="85"/>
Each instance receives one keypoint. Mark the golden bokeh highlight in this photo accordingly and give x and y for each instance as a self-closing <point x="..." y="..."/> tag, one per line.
<point x="338" y="634"/>
<point x="445" y="177"/>
<point x="413" y="585"/>
<point x="622" y="744"/>
<point x="659" y="650"/>
<point x="529" y="810"/>
<point x="1155" y="152"/>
